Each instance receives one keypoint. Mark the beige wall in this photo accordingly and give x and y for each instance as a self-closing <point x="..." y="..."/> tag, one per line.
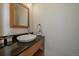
<point x="60" y="25"/>
<point x="30" y="19"/>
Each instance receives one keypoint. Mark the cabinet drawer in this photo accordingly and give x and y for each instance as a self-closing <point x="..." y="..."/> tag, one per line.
<point x="30" y="51"/>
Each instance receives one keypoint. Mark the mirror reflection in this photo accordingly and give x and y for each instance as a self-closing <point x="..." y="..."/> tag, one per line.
<point x="21" y="15"/>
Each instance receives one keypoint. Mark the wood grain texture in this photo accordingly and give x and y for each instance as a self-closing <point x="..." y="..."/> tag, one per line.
<point x="32" y="50"/>
<point x="39" y="53"/>
<point x="12" y="21"/>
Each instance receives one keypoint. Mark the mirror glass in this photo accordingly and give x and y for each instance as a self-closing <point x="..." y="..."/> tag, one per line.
<point x="20" y="15"/>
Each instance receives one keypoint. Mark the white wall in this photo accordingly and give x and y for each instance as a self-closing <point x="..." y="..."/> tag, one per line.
<point x="60" y="25"/>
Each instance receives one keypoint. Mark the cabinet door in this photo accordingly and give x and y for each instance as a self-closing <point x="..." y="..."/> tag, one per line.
<point x="32" y="50"/>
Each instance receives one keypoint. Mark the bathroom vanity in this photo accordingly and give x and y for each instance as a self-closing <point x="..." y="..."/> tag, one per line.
<point x="33" y="48"/>
<point x="19" y="18"/>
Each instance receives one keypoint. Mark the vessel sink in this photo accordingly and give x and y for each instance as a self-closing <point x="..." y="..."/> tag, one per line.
<point x="26" y="38"/>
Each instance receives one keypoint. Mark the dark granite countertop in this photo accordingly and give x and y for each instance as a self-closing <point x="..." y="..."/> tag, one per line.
<point x="17" y="47"/>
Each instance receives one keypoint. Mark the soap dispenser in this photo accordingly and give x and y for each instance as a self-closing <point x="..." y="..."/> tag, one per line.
<point x="39" y="30"/>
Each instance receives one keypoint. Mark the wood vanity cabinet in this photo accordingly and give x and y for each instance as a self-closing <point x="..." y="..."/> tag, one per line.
<point x="36" y="50"/>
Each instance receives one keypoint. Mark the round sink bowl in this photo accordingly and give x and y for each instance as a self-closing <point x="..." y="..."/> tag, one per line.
<point x="26" y="38"/>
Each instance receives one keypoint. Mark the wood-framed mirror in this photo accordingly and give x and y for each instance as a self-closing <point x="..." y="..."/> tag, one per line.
<point x="19" y="15"/>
